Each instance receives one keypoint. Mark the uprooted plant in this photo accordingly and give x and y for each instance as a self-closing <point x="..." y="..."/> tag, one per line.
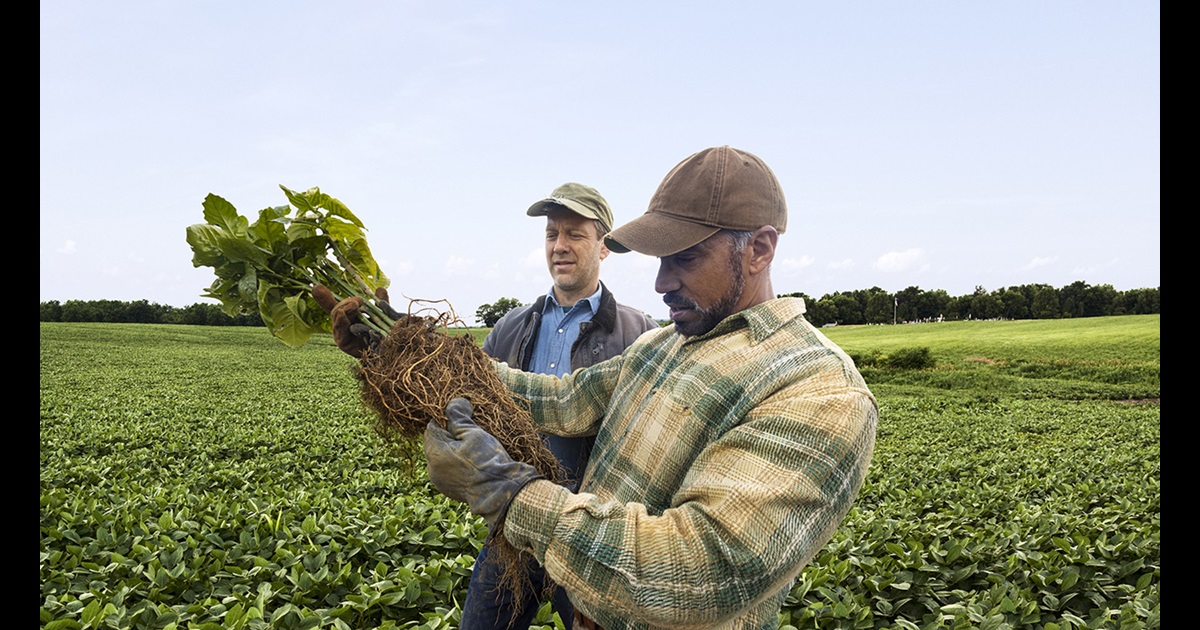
<point x="272" y="265"/>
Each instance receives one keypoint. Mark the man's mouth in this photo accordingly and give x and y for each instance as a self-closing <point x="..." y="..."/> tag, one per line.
<point x="676" y="312"/>
<point x="678" y="306"/>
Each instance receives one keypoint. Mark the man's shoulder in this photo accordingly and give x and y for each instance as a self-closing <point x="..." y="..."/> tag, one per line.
<point x="506" y="328"/>
<point x="515" y="315"/>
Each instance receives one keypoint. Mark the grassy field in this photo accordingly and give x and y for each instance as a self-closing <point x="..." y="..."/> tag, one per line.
<point x="209" y="477"/>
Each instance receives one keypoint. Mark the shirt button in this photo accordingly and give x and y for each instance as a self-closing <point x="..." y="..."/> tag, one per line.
<point x="552" y="365"/>
<point x="560" y="330"/>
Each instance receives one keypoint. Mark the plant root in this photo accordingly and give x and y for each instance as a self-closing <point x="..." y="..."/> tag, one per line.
<point x="416" y="370"/>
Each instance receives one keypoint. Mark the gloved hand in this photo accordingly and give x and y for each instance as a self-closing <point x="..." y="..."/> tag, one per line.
<point x="469" y="465"/>
<point x="349" y="334"/>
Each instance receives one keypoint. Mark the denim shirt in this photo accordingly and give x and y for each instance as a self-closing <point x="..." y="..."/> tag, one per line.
<point x="552" y="355"/>
<point x="558" y="332"/>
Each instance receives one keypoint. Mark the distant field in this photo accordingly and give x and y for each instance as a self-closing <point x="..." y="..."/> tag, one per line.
<point x="1127" y="339"/>
<point x="211" y="477"/>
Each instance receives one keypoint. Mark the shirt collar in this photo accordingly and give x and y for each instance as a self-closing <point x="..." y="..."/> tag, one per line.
<point x="593" y="301"/>
<point x="761" y="320"/>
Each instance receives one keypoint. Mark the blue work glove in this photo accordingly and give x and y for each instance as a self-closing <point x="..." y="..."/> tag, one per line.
<point x="469" y="465"/>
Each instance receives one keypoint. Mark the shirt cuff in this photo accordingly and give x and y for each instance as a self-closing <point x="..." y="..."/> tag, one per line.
<point x="533" y="514"/>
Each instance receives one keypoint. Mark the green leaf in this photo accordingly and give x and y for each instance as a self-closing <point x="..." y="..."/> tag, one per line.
<point x="222" y="214"/>
<point x="954" y="609"/>
<point x="995" y="622"/>
<point x="63" y="624"/>
<point x="238" y="249"/>
<point x="270" y="229"/>
<point x="342" y="231"/>
<point x="205" y="243"/>
<point x="284" y="316"/>
<point x="337" y="208"/>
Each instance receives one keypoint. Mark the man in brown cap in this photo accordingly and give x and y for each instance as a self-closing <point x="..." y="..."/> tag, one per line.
<point x="729" y="445"/>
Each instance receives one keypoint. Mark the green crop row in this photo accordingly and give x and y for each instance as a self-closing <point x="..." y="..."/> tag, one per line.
<point x="211" y="477"/>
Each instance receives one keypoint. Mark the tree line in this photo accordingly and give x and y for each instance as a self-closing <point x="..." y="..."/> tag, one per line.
<point x="142" y="312"/>
<point x="1027" y="301"/>
<point x="864" y="306"/>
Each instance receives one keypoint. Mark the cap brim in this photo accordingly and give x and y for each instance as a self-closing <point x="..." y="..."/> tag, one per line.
<point x="656" y="234"/>
<point x="543" y="207"/>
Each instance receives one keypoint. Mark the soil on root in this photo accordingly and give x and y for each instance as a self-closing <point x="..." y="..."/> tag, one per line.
<point x="416" y="371"/>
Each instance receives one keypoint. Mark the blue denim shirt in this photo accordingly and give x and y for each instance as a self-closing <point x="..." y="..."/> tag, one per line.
<point x="552" y="352"/>
<point x="552" y="355"/>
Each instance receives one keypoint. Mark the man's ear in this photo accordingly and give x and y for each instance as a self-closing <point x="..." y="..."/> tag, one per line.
<point x="604" y="251"/>
<point x="762" y="248"/>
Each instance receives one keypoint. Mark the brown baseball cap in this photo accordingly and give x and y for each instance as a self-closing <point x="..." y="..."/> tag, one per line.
<point x="714" y="189"/>
<point x="582" y="200"/>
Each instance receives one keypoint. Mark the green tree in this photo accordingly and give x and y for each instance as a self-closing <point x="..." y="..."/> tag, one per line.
<point x="1071" y="299"/>
<point x="1099" y="300"/>
<point x="821" y="312"/>
<point x="879" y="308"/>
<point x="488" y="314"/>
<point x="51" y="311"/>
<point x="930" y="305"/>
<point x="1137" y="302"/>
<point x="847" y="309"/>
<point x="1014" y="304"/>
<point x="985" y="306"/>
<point x="907" y="304"/>
<point x="1045" y="303"/>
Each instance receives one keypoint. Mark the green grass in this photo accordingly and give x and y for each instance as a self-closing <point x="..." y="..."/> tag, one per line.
<point x="1130" y="339"/>
<point x="211" y="475"/>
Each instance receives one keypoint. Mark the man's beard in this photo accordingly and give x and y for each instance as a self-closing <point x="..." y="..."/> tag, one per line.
<point x="711" y="316"/>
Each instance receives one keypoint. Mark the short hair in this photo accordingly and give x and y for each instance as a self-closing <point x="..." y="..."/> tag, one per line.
<point x="739" y="238"/>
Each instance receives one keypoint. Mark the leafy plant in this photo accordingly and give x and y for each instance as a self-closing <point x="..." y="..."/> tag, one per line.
<point x="910" y="358"/>
<point x="271" y="265"/>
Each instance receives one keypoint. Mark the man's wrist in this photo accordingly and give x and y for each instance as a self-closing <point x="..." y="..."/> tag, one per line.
<point x="533" y="514"/>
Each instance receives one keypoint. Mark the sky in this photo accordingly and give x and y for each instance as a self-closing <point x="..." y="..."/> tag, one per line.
<point x="942" y="145"/>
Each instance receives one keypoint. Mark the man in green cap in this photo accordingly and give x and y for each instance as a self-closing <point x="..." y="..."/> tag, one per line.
<point x="576" y="324"/>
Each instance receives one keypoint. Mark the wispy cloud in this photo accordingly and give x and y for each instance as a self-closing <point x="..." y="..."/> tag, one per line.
<point x="907" y="260"/>
<point x="1040" y="261"/>
<point x="842" y="264"/>
<point x="457" y="265"/>
<point x="794" y="264"/>
<point x="67" y="248"/>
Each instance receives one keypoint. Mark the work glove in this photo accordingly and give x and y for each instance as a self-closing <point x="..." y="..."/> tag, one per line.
<point x="349" y="334"/>
<point x="469" y="465"/>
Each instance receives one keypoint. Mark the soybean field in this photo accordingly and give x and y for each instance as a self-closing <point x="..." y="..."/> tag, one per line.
<point x="199" y="477"/>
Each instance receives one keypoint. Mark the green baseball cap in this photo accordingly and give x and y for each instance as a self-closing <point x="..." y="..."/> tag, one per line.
<point x="582" y="200"/>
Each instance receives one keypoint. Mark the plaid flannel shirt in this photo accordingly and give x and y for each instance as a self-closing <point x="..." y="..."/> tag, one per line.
<point x="722" y="464"/>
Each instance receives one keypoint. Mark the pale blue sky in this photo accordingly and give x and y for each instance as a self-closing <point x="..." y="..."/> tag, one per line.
<point x="942" y="145"/>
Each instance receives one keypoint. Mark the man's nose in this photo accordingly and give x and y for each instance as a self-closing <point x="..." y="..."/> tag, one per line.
<point x="665" y="281"/>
